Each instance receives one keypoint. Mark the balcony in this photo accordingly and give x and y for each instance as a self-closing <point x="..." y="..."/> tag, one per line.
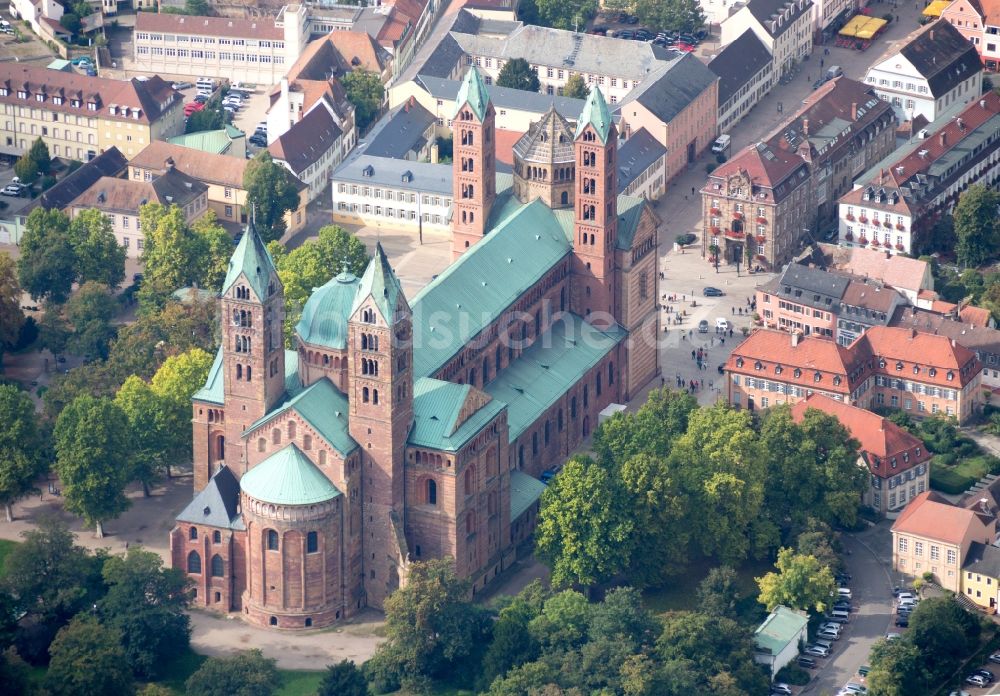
<point x="849" y="217"/>
<point x="731" y="234"/>
<point x="887" y="224"/>
<point x="715" y="211"/>
<point x="737" y="216"/>
<point x="863" y="220"/>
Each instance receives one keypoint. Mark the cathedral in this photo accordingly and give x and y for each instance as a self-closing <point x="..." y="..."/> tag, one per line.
<point x="403" y="429"/>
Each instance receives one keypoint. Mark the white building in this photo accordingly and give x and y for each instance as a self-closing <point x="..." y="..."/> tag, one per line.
<point x="784" y="26"/>
<point x="311" y="149"/>
<point x="33" y="11"/>
<point x="935" y="70"/>
<point x="778" y="640"/>
<point x="746" y="75"/>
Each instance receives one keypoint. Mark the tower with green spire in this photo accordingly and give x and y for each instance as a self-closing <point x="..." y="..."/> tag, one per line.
<point x="474" y="162"/>
<point x="380" y="393"/>
<point x="595" y="227"/>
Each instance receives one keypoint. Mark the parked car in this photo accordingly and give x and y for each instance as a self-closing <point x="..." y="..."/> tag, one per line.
<point x="829" y="634"/>
<point x="976" y="680"/>
<point x="11" y="190"/>
<point x="90" y="71"/>
<point x="855" y="688"/>
<point x="985" y="674"/>
<point x="82" y="60"/>
<point x="703" y="326"/>
<point x="258" y="140"/>
<point x="844" y="592"/>
<point x="709" y="291"/>
<point x="893" y="636"/>
<point x="863" y="670"/>
<point x="781" y="688"/>
<point x="201" y="98"/>
<point x="722" y="324"/>
<point x="182" y="85"/>
<point x="817" y="651"/>
<point x="807" y="662"/>
<point x="959" y="693"/>
<point x="994" y="658"/>
<point x="906" y="595"/>
<point x="903" y="621"/>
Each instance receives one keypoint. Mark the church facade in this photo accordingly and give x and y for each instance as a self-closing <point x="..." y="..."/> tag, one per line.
<point x="403" y="429"/>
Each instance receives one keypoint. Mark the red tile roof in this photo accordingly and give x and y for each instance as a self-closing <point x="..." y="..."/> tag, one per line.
<point x="256" y="28"/>
<point x="893" y="270"/>
<point x="932" y="517"/>
<point x="977" y="316"/>
<point x="909" y="348"/>
<point x="794" y="360"/>
<point x="882" y="441"/>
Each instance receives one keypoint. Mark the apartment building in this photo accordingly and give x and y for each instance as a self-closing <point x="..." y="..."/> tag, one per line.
<point x="642" y="166"/>
<point x="919" y="373"/>
<point x="122" y="200"/>
<point x="936" y="69"/>
<point x="964" y="324"/>
<point x="746" y="75"/>
<point x="933" y="535"/>
<point x="910" y="277"/>
<point x="311" y="149"/>
<point x="784" y="26"/>
<point x="898" y="463"/>
<point x="79" y="117"/>
<point x="979" y="22"/>
<point x="896" y="205"/>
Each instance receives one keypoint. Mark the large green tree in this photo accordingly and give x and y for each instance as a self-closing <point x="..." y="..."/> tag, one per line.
<point x="39" y="154"/>
<point x="365" y="91"/>
<point x="561" y="14"/>
<point x="11" y="316"/>
<point x="99" y="256"/>
<point x="718" y="592"/>
<point x="90" y="311"/>
<point x="92" y="459"/>
<point x="800" y="583"/>
<point x="247" y="673"/>
<point x="271" y="192"/>
<point x="47" y="265"/>
<point x="343" y="679"/>
<point x="174" y="384"/>
<point x="576" y="87"/>
<point x="146" y="603"/>
<point x="673" y="15"/>
<point x="650" y="430"/>
<point x="977" y="225"/>
<point x="148" y="436"/>
<point x="88" y="660"/>
<point x="896" y="669"/>
<point x="22" y="458"/>
<point x="945" y="633"/>
<point x="517" y="73"/>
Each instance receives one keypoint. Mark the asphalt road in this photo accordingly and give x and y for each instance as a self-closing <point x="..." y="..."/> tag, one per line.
<point x="872" y="619"/>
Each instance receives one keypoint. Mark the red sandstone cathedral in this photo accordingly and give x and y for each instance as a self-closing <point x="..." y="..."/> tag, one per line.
<point x="402" y="429"/>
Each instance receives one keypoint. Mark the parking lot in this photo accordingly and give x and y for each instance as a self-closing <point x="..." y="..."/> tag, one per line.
<point x="252" y="111"/>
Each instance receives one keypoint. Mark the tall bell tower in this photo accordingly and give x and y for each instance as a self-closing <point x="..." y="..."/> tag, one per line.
<point x="474" y="170"/>
<point x="380" y="355"/>
<point x="595" y="226"/>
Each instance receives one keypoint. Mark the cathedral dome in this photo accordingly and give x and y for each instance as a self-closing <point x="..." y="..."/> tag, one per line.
<point x="288" y="477"/>
<point x="548" y="141"/>
<point x="324" y="317"/>
<point x="544" y="162"/>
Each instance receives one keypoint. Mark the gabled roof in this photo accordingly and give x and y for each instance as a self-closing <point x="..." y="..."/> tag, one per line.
<point x="474" y="93"/>
<point x="983" y="559"/>
<point x="324" y="408"/>
<point x="893" y="270"/>
<point x="253" y="261"/>
<point x="799" y="362"/>
<point x="217" y="504"/>
<point x="447" y="415"/>
<point x="524" y="491"/>
<point x="738" y="63"/>
<point x="781" y="627"/>
<point x="288" y="477"/>
<point x="307" y="140"/>
<point x="766" y="11"/>
<point x="943" y="56"/>
<point x="110" y="193"/>
<point x="203" y="166"/>
<point x="402" y="131"/>
<point x="109" y="163"/>
<point x="636" y="155"/>
<point x="984" y="340"/>
<point x="325" y="314"/>
<point x="769" y="167"/>
<point x="672" y="87"/>
<point x="381" y="284"/>
<point x="595" y="113"/>
<point x="931" y="516"/>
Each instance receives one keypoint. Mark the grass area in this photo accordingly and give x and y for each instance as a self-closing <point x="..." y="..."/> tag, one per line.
<point x="681" y="594"/>
<point x="298" y="683"/>
<point x="957" y="477"/>
<point x="947" y="480"/>
<point x="5" y="548"/>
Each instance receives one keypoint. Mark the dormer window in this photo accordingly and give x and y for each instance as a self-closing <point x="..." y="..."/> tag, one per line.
<point x="837" y="380"/>
<point x="91" y="106"/>
<point x="916" y="369"/>
<point x="21" y="94"/>
<point x="817" y="377"/>
<point x="881" y="363"/>
<point x="797" y="373"/>
<point x="40" y="97"/>
<point x="758" y="365"/>
<point x="893" y="462"/>
<point x="4" y="92"/>
<point x="950" y="376"/>
<point x="778" y="369"/>
<point x="57" y="100"/>
<point x="906" y="457"/>
<point x="918" y="451"/>
<point x="739" y="362"/>
<point x="899" y="365"/>
<point x="76" y="103"/>
<point x="932" y="372"/>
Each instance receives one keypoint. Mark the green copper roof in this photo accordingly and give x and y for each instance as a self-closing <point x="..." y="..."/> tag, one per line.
<point x="436" y="407"/>
<point x="472" y="92"/>
<point x="382" y="284"/>
<point x="252" y="260"/>
<point x="213" y="391"/>
<point x="288" y="477"/>
<point x="324" y="317"/>
<point x="216" y="142"/>
<point x="629" y="215"/>
<point x="779" y="629"/>
<point x="473" y="291"/>
<point x="524" y="491"/>
<point x="543" y="373"/>
<point x="595" y="113"/>
<point x="322" y="406"/>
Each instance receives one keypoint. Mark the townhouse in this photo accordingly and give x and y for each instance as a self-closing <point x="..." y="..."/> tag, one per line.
<point x="965" y="325"/>
<point x="898" y="463"/>
<point x="933" y="71"/>
<point x="910" y="277"/>
<point x="979" y="22"/>
<point x="895" y="206"/>
<point x="311" y="149"/>
<point x="933" y="535"/>
<point x="920" y="373"/>
<point x="784" y="26"/>
<point x="746" y="75"/>
<point x="79" y="117"/>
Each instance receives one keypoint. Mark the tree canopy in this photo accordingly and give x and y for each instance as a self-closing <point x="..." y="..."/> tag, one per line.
<point x="365" y="91"/>
<point x="271" y="192"/>
<point x="576" y="87"/>
<point x="517" y="73"/>
<point x="977" y="225"/>
<point x="88" y="660"/>
<point x="671" y="15"/>
<point x="47" y="265"/>
<point x="247" y="673"/>
<point x="560" y="14"/>
<point x="99" y="256"/>
<point x="22" y="450"/>
<point x="801" y="582"/>
<point x="11" y="316"/>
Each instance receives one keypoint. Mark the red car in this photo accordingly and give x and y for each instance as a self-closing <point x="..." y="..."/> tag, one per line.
<point x="191" y="107"/>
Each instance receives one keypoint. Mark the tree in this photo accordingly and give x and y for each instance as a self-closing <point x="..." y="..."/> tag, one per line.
<point x="90" y="312"/>
<point x="585" y="538"/>
<point x="99" y="256"/>
<point x="976" y="225"/>
<point x="216" y="250"/>
<point x="563" y="622"/>
<point x="944" y="633"/>
<point x="147" y="435"/>
<point x="650" y="430"/>
<point x="47" y="265"/>
<point x="11" y="316"/>
<point x="39" y="153"/>
<point x="576" y="87"/>
<point x="92" y="459"/>
<point x="517" y="73"/>
<point x="198" y="8"/>
<point x="271" y="193"/>
<point x="430" y="624"/>
<point x="88" y="660"/>
<point x="174" y="384"/>
<point x="26" y="170"/>
<point x="146" y="603"/>
<point x="718" y="592"/>
<point x="343" y="679"/>
<point x="21" y="460"/>
<point x="247" y="673"/>
<point x="564" y="14"/>
<point x="800" y="583"/>
<point x="212" y="117"/>
<point x="365" y="91"/>
<point x="896" y="669"/>
<point x="672" y="15"/>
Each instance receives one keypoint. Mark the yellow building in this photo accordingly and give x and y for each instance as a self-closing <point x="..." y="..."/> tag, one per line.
<point x="981" y="576"/>
<point x="79" y="117"/>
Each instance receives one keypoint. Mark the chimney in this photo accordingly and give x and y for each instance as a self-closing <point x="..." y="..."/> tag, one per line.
<point x="944" y="139"/>
<point x="795" y="338"/>
<point x="168" y="164"/>
<point x="284" y="88"/>
<point x="932" y="34"/>
<point x="854" y="111"/>
<point x="805" y="127"/>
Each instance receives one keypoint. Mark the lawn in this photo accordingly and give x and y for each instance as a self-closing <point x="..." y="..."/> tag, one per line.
<point x="5" y="548"/>
<point x="958" y="477"/>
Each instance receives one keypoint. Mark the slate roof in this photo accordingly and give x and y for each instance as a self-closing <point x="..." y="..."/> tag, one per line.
<point x="801" y="284"/>
<point x="307" y="140"/>
<point x="506" y="97"/>
<point x="548" y="140"/>
<point x="361" y="168"/>
<point x="764" y="10"/>
<point x="129" y="195"/>
<point x="253" y="260"/>
<point x="781" y="627"/>
<point x="217" y="504"/>
<point x="984" y="340"/>
<point x="636" y="155"/>
<point x="524" y="491"/>
<point x="672" y="87"/>
<point x="111" y="162"/>
<point x="443" y="59"/>
<point x="381" y="284"/>
<point x="982" y="559"/>
<point x="288" y="477"/>
<point x="437" y="407"/>
<point x="400" y="132"/>
<point x="943" y="56"/>
<point x="322" y="406"/>
<point x="738" y="63"/>
<point x="324" y="316"/>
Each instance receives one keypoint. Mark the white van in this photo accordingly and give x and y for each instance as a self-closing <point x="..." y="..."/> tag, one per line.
<point x="205" y="83"/>
<point x="840" y="614"/>
<point x="721" y="145"/>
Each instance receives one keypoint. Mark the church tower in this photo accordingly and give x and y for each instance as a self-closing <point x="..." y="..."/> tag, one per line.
<point x="380" y="353"/>
<point x="474" y="163"/>
<point x="253" y="352"/>
<point x="595" y="226"/>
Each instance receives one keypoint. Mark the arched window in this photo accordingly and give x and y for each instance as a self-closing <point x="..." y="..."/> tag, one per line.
<point x="364" y="395"/>
<point x="432" y="492"/>
<point x="194" y="563"/>
<point x="272" y="540"/>
<point x="193" y="533"/>
<point x="375" y="396"/>
<point x="217" y="566"/>
<point x="312" y="542"/>
<point x="248" y="373"/>
<point x="239" y="371"/>
<point x="220" y="446"/>
<point x="216" y="537"/>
